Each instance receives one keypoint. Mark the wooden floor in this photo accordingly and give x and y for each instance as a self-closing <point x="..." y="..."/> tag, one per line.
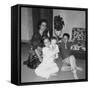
<point x="28" y="75"/>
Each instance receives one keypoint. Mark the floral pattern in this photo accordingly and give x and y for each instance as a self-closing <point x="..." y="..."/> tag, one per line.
<point x="79" y="35"/>
<point x="58" y="23"/>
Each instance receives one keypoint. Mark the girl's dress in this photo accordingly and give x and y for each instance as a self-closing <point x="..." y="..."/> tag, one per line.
<point x="47" y="66"/>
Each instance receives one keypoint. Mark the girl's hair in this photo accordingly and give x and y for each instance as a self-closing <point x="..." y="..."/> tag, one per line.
<point x="46" y="38"/>
<point x="40" y="22"/>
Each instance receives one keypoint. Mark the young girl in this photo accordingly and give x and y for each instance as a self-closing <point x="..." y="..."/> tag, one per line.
<point x="47" y="67"/>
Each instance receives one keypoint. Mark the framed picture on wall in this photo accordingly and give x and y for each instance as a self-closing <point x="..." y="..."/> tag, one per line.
<point x="48" y="44"/>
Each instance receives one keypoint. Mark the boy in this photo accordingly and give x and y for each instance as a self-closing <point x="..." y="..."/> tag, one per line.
<point x="54" y="46"/>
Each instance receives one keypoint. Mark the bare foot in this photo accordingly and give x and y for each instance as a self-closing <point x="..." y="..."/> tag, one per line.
<point x="79" y="68"/>
<point x="66" y="68"/>
<point x="47" y="77"/>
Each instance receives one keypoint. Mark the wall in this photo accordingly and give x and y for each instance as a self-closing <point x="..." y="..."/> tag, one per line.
<point x="71" y="19"/>
<point x="26" y="24"/>
<point x="29" y="23"/>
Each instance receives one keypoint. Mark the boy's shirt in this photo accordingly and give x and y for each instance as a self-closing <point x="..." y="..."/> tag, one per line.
<point x="56" y="50"/>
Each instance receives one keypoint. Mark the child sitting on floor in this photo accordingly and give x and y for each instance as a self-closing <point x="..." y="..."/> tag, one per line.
<point x="48" y="67"/>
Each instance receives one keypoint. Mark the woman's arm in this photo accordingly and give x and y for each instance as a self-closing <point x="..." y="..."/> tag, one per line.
<point x="36" y="40"/>
<point x="38" y="54"/>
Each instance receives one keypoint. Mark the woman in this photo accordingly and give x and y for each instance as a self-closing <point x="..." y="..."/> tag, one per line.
<point x="37" y="43"/>
<point x="69" y="61"/>
<point x="37" y="38"/>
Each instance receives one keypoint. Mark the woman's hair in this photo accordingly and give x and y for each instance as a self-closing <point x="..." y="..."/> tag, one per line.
<point x="66" y="34"/>
<point x="40" y="22"/>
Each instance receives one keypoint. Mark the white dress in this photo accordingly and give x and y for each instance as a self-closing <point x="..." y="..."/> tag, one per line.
<point x="47" y="66"/>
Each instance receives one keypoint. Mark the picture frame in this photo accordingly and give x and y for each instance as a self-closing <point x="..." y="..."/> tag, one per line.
<point x="24" y="19"/>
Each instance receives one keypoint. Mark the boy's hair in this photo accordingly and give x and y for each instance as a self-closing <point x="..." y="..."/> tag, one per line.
<point x="53" y="38"/>
<point x="66" y="34"/>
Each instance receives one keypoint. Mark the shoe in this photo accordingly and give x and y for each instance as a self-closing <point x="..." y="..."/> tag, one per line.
<point x="25" y="62"/>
